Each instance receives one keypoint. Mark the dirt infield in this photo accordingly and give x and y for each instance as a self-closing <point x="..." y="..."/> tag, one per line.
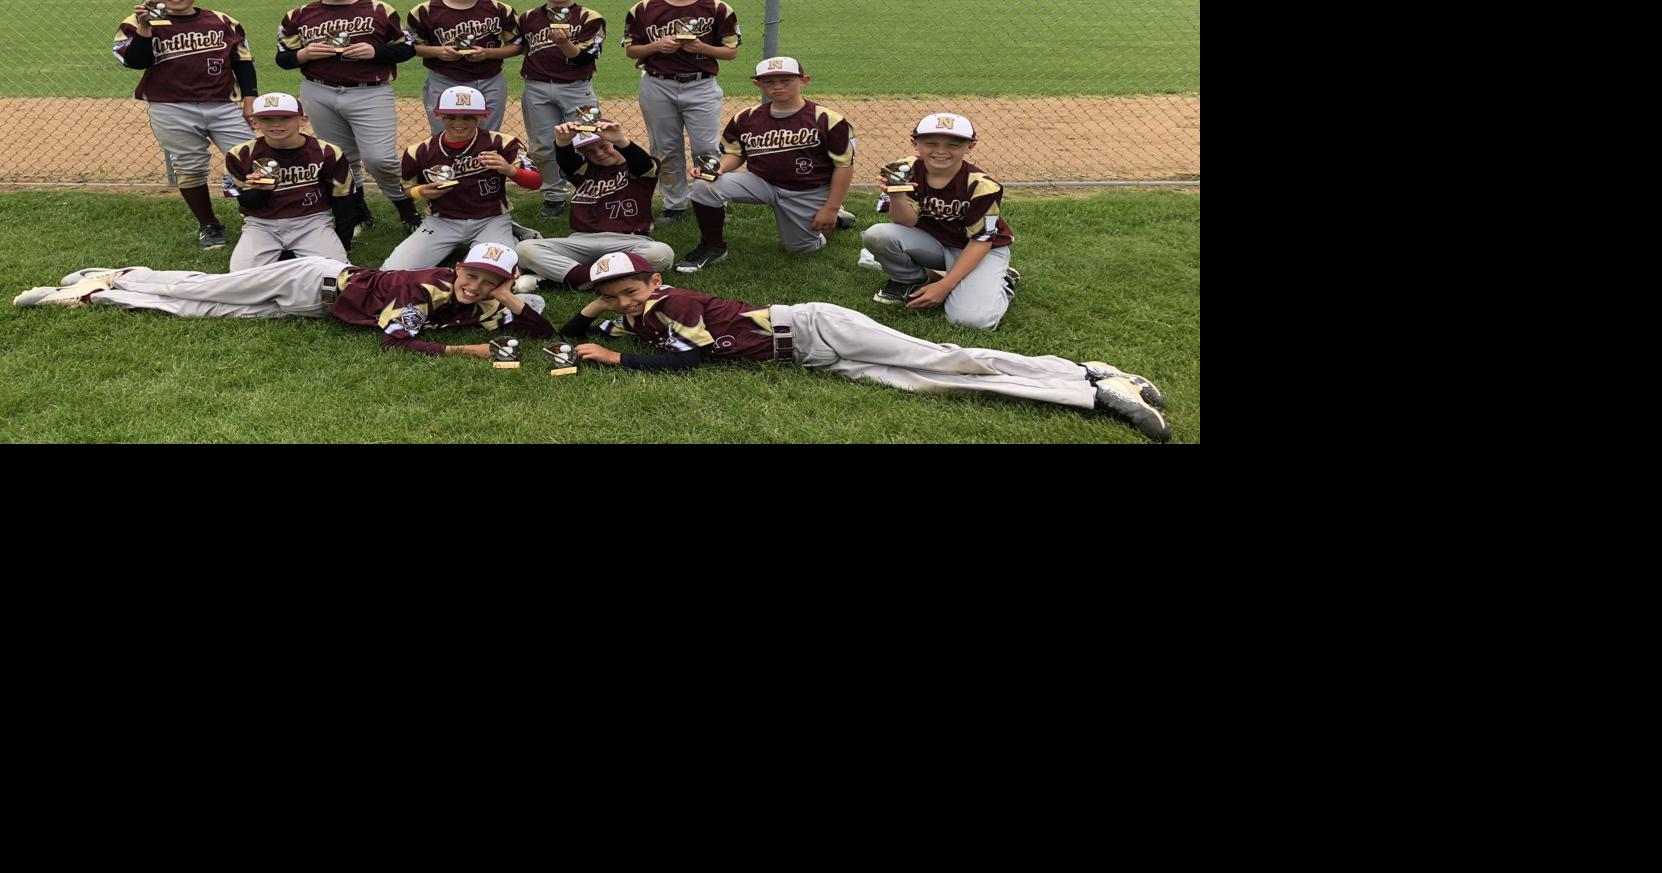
<point x="1040" y="140"/>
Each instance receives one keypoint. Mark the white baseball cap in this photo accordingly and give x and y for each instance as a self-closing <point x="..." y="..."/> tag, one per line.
<point x="778" y="67"/>
<point x="462" y="100"/>
<point x="492" y="258"/>
<point x="945" y="124"/>
<point x="614" y="265"/>
<point x="585" y="139"/>
<point x="276" y="103"/>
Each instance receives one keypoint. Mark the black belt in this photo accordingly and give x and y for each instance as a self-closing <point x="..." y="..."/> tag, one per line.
<point x="781" y="336"/>
<point x="689" y="77"/>
<point x="349" y="84"/>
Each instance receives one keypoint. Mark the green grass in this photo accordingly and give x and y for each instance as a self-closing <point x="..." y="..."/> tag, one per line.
<point x="850" y="47"/>
<point x="1113" y="277"/>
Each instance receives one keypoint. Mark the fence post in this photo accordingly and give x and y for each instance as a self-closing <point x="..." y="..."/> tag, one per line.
<point x="770" y="36"/>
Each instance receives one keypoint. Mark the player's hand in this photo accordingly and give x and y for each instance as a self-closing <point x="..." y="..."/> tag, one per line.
<point x="693" y="46"/>
<point x="312" y="51"/>
<point x="669" y="45"/>
<point x="359" y="51"/>
<point x="562" y="36"/>
<point x="595" y="308"/>
<point x="429" y="192"/>
<point x="611" y="132"/>
<point x="446" y="53"/>
<point x="141" y="14"/>
<point x="478" y="56"/>
<point x="492" y="160"/>
<point x="504" y="293"/>
<point x="564" y="134"/>
<point x="825" y="220"/>
<point x="599" y="354"/>
<point x="930" y="296"/>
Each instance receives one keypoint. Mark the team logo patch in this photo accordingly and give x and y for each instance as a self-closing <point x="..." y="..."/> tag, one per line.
<point x="467" y="99"/>
<point x="271" y="102"/>
<point x="776" y="65"/>
<point x="943" y="123"/>
<point x="603" y="265"/>
<point x="493" y="253"/>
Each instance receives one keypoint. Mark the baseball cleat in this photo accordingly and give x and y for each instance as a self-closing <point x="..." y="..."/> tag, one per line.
<point x="534" y="301"/>
<point x="52" y="295"/>
<point x="845" y="219"/>
<point x="411" y="225"/>
<point x="1096" y="371"/>
<point x="1113" y="396"/>
<point x="526" y="283"/>
<point x="700" y="257"/>
<point x="552" y="209"/>
<point x="869" y="261"/>
<point x="88" y="273"/>
<point x="1012" y="278"/>
<point x="210" y="236"/>
<point x="895" y="292"/>
<point x="523" y="233"/>
<point x="670" y="216"/>
<point x="364" y="223"/>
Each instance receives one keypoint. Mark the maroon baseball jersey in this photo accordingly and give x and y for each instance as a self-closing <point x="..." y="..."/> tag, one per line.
<point x="193" y="57"/>
<point x="964" y="211"/>
<point x="366" y="21"/>
<point x="403" y="303"/>
<point x="483" y="192"/>
<point x="310" y="176"/>
<point x="490" y="23"/>
<point x="798" y="152"/>
<point x="679" y="320"/>
<point x="543" y="61"/>
<point x="611" y="199"/>
<point x="651" y="20"/>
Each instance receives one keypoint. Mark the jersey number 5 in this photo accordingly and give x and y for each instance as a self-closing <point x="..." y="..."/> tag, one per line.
<point x="216" y="66"/>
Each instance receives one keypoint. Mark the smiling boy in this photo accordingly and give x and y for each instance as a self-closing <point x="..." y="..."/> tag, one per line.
<point x="290" y="209"/>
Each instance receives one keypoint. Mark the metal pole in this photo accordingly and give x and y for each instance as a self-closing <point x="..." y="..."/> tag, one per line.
<point x="770" y="37"/>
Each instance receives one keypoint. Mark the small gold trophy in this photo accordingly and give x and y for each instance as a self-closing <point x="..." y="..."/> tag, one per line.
<point x="587" y="118"/>
<point x="505" y="353"/>
<point x="684" y="31"/>
<point x="709" y="167"/>
<point x="339" y="42"/>
<point x="897" y="177"/>
<point x="560" y="19"/>
<point x="443" y="177"/>
<point x="562" y="360"/>
<point x="158" y="14"/>
<point x="464" y="44"/>
<point x="268" y="167"/>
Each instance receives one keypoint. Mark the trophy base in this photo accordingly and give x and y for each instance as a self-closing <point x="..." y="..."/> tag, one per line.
<point x="585" y="128"/>
<point x="707" y="177"/>
<point x="686" y="37"/>
<point x="265" y="181"/>
<point x="505" y="365"/>
<point x="558" y="26"/>
<point x="338" y="51"/>
<point x="159" y="22"/>
<point x="465" y="52"/>
<point x="899" y="189"/>
<point x="444" y="185"/>
<point x="563" y="371"/>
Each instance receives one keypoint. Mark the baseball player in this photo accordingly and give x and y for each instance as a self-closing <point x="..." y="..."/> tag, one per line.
<point x="348" y="88"/>
<point x="678" y="86"/>
<point x="611" y="208"/>
<point x="463" y="43"/>
<point x="195" y="70"/>
<point x="401" y="304"/>
<point x="558" y="71"/>
<point x="949" y="222"/>
<point x="689" y="326"/>
<point x="290" y="209"/>
<point x="801" y="161"/>
<point x="462" y="174"/>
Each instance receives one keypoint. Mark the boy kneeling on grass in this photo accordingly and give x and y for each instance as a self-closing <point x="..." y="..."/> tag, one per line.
<point x="401" y="303"/>
<point x="821" y="336"/>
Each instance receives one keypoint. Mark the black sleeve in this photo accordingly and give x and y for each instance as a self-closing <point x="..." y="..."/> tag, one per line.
<point x="289" y="59"/>
<point x="255" y="197"/>
<point x="346" y="218"/>
<point x="247" y="83"/>
<point x="568" y="158"/>
<point x="531" y="322"/>
<point x="640" y="163"/>
<point x="583" y="59"/>
<point x="686" y="360"/>
<point x="141" y="53"/>
<point x="577" y="327"/>
<point x="394" y="54"/>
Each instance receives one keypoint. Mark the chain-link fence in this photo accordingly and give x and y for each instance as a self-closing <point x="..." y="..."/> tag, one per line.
<point x="1060" y="91"/>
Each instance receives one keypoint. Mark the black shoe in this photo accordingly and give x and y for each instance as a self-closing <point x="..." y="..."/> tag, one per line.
<point x="210" y="236"/>
<point x="411" y="225"/>
<point x="670" y="216"/>
<point x="364" y="223"/>
<point x="699" y="258"/>
<point x="895" y="291"/>
<point x="553" y="208"/>
<point x="845" y="219"/>
<point x="1097" y="371"/>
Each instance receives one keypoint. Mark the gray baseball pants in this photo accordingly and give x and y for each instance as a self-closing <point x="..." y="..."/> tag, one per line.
<point x="979" y="301"/>
<point x="554" y="258"/>
<point x="495" y="90"/>
<point x="829" y="337"/>
<point x="669" y="108"/>
<point x="364" y="123"/>
<point x="546" y="105"/>
<point x="287" y="288"/>
<point x="263" y="240"/>
<point x="793" y="211"/>
<point x="429" y="246"/>
<point x="183" y="130"/>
